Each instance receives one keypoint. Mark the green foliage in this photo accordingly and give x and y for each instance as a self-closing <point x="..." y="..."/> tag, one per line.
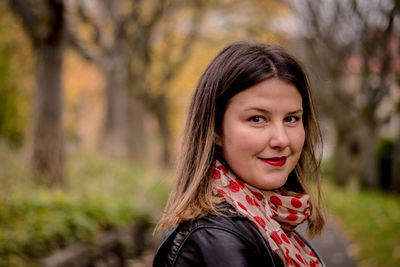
<point x="102" y="194"/>
<point x="11" y="120"/>
<point x="372" y="219"/>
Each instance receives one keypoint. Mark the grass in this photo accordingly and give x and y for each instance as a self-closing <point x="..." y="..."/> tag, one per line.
<point x="101" y="194"/>
<point x="373" y="221"/>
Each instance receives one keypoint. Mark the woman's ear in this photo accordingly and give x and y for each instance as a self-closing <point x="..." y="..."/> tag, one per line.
<point x="218" y="140"/>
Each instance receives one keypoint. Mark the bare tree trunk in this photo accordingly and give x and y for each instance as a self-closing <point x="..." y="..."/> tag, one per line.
<point x="116" y="97"/>
<point x="162" y="115"/>
<point x="345" y="156"/>
<point x="137" y="141"/>
<point x="45" y="24"/>
<point x="368" y="156"/>
<point x="47" y="154"/>
<point x="342" y="168"/>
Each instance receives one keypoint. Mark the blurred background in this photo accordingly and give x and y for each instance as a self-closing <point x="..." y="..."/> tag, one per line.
<point x="93" y="100"/>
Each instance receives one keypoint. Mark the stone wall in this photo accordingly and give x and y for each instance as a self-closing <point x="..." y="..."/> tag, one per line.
<point x="110" y="249"/>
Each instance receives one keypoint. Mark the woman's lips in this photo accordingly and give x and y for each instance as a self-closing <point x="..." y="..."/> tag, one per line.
<point x="276" y="161"/>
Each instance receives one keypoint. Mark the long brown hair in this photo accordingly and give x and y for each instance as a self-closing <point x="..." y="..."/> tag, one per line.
<point x="237" y="67"/>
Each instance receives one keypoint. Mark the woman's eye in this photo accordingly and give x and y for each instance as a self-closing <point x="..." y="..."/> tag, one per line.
<point x="292" y="119"/>
<point x="257" y="119"/>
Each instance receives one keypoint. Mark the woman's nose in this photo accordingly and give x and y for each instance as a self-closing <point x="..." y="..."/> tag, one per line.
<point x="278" y="136"/>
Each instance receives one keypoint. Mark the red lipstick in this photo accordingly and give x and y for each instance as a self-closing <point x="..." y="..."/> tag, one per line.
<point x="275" y="161"/>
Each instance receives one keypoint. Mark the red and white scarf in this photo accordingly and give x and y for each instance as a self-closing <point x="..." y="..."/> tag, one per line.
<point x="274" y="213"/>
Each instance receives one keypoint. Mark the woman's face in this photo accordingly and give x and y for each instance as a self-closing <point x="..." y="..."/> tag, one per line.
<point x="263" y="134"/>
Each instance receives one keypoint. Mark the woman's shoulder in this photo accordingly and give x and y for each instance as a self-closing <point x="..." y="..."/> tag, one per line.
<point x="229" y="222"/>
<point x="213" y="239"/>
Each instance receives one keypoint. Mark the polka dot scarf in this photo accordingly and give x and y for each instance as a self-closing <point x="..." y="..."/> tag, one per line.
<point x="274" y="213"/>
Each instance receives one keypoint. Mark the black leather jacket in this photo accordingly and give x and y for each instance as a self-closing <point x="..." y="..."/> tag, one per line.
<point x="216" y="241"/>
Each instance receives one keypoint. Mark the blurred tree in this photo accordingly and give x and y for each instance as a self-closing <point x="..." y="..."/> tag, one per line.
<point x="124" y="38"/>
<point x="162" y="45"/>
<point x="45" y="25"/>
<point x="98" y="32"/>
<point x="348" y="46"/>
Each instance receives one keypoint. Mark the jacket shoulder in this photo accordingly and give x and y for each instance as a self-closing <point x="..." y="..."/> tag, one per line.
<point x="214" y="240"/>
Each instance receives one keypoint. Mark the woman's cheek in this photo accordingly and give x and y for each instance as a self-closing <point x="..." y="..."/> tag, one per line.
<point x="252" y="139"/>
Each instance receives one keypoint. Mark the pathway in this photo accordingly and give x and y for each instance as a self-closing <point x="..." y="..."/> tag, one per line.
<point x="332" y="246"/>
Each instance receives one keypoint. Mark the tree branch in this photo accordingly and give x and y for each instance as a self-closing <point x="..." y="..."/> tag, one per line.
<point x="80" y="47"/>
<point x="175" y="67"/>
<point x="26" y="10"/>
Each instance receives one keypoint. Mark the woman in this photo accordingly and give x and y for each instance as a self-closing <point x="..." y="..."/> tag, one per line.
<point x="248" y="154"/>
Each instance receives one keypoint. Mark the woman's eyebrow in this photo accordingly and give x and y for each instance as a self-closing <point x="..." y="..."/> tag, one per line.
<point x="269" y="112"/>
<point x="258" y="109"/>
<point x="296" y="111"/>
